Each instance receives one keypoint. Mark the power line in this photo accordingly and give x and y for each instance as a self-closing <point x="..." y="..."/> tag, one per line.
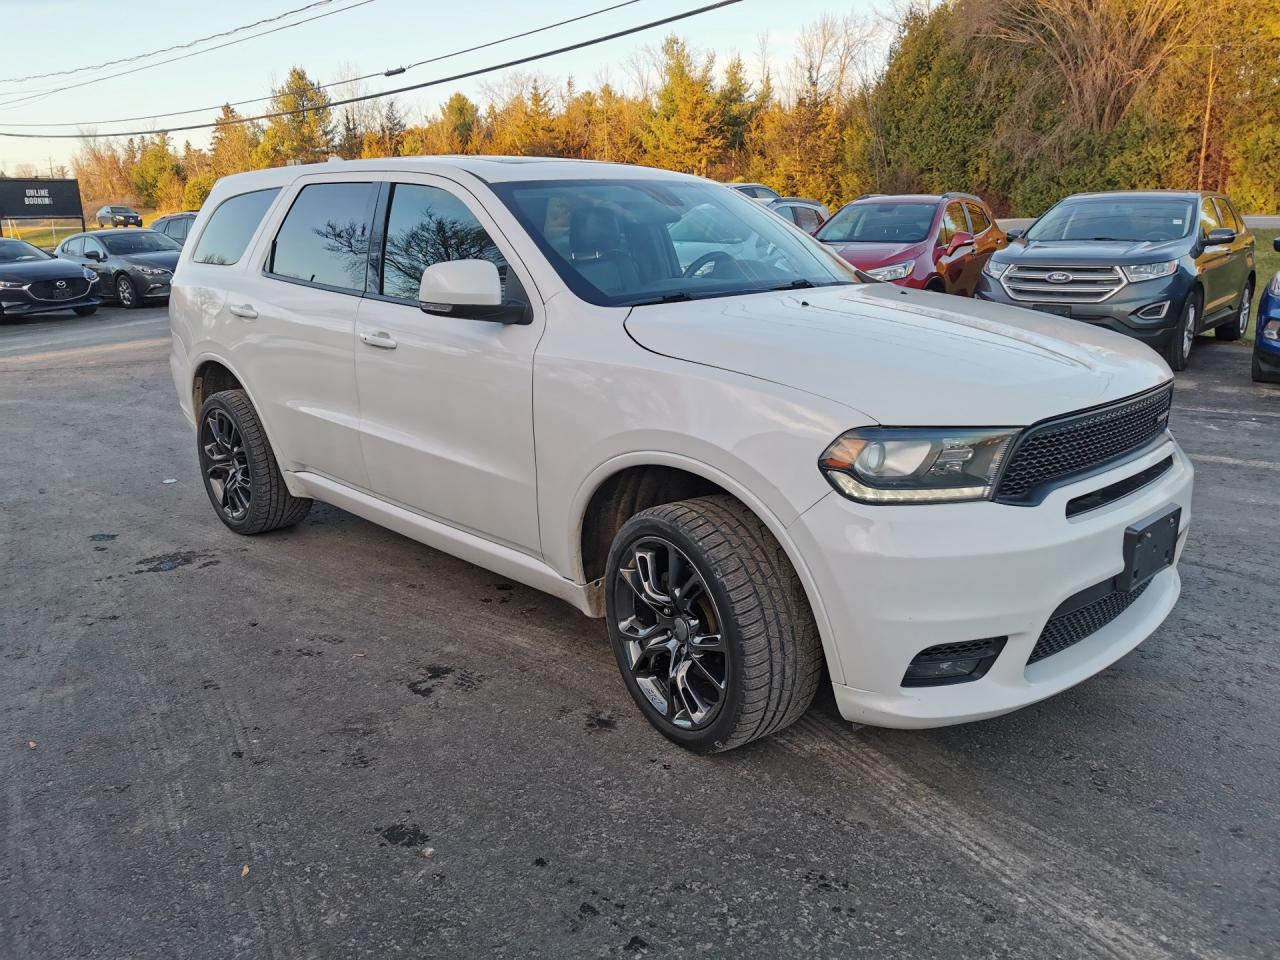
<point x="178" y="46"/>
<point x="391" y="72"/>
<point x="186" y="56"/>
<point x="384" y="93"/>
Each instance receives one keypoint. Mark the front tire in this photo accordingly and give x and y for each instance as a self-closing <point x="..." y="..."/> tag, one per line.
<point x="1178" y="350"/>
<point x="127" y="293"/>
<point x="709" y="624"/>
<point x="239" y="468"/>
<point x="1235" y="328"/>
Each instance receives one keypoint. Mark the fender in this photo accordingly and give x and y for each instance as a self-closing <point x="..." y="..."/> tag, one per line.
<point x="641" y="458"/>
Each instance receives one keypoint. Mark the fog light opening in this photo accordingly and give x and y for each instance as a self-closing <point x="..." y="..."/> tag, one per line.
<point x="952" y="662"/>
<point x="1154" y="311"/>
<point x="1271" y="330"/>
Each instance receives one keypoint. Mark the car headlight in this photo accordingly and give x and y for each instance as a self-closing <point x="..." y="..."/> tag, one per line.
<point x="12" y="284"/>
<point x="891" y="465"/>
<point x="1150" y="271"/>
<point x="89" y="275"/>
<point x="153" y="271"/>
<point x="994" y="268"/>
<point x="896" y="271"/>
<point x="1275" y="285"/>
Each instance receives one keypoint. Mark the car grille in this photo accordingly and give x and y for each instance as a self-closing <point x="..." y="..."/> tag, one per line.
<point x="49" y="290"/>
<point x="1070" y="628"/>
<point x="1032" y="282"/>
<point x="1054" y="450"/>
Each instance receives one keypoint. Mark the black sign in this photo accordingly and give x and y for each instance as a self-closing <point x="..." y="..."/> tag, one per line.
<point x="39" y="199"/>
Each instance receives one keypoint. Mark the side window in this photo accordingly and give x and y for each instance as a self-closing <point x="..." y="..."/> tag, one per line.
<point x="178" y="228"/>
<point x="807" y="219"/>
<point x="953" y="222"/>
<point x="1227" y="216"/>
<point x="91" y="245"/>
<point x="788" y="213"/>
<point x="978" y="218"/>
<point x="231" y="227"/>
<point x="74" y="247"/>
<point x="325" y="236"/>
<point x="1208" y="217"/>
<point x="427" y="225"/>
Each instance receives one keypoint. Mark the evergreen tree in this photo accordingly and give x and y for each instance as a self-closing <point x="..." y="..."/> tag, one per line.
<point x="305" y="136"/>
<point x="686" y="130"/>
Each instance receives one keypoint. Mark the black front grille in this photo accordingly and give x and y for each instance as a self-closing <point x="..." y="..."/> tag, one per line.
<point x="1070" y="628"/>
<point x="1068" y="446"/>
<point x="71" y="289"/>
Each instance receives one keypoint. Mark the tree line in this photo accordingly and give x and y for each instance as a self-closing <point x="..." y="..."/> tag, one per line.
<point x="1021" y="101"/>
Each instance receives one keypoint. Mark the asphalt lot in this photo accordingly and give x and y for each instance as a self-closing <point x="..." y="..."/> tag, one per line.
<point x="335" y="742"/>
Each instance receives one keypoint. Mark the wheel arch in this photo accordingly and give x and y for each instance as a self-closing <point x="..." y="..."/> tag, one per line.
<point x="624" y="486"/>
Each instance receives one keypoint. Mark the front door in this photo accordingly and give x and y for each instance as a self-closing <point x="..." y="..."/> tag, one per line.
<point x="447" y="403"/>
<point x="1216" y="263"/>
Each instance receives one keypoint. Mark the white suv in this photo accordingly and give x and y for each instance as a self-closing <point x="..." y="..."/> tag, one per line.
<point x="753" y="465"/>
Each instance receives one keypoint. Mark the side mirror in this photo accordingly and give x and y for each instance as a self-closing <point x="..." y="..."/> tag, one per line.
<point x="1220" y="235"/>
<point x="93" y="255"/>
<point x="470" y="289"/>
<point x="1015" y="233"/>
<point x="1275" y="244"/>
<point x="959" y="239"/>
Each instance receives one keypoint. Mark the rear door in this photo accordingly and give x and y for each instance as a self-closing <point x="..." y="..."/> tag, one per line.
<point x="292" y="311"/>
<point x="447" y="403"/>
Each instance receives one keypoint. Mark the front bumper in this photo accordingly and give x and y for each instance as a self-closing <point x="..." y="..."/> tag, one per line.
<point x="1267" y="351"/>
<point x="27" y="307"/>
<point x="1118" y="312"/>
<point x="893" y="581"/>
<point x="151" y="288"/>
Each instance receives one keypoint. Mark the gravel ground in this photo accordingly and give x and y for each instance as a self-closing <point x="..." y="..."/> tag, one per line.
<point x="335" y="742"/>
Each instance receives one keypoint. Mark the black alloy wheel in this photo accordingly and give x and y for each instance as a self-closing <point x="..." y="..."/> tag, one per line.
<point x="671" y="632"/>
<point x="226" y="465"/>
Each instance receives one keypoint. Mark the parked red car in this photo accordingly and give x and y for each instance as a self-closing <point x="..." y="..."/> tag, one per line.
<point x="924" y="241"/>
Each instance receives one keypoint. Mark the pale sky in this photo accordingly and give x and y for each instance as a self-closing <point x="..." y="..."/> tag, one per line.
<point x="47" y="35"/>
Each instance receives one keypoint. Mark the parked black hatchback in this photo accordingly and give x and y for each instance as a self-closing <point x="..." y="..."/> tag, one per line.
<point x="1161" y="266"/>
<point x="119" y="217"/>
<point x="32" y="282"/>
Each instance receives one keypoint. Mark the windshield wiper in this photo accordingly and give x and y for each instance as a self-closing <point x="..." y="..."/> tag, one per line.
<point x="665" y="298"/>
<point x="800" y="284"/>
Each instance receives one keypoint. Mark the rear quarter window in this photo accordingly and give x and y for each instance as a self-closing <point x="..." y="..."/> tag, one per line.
<point x="232" y="226"/>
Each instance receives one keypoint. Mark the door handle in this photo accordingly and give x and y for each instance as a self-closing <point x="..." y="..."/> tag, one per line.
<point x="381" y="340"/>
<point x="243" y="310"/>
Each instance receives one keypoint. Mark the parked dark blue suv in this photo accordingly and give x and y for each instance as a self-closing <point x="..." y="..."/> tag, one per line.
<point x="1266" y="336"/>
<point x="1161" y="266"/>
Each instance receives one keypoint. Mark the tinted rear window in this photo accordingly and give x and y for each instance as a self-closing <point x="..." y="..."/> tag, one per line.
<point x="232" y="226"/>
<point x="325" y="236"/>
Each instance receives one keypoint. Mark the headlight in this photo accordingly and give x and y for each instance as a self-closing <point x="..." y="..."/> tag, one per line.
<point x="12" y="284"/>
<point x="1275" y="284"/>
<point x="153" y="271"/>
<point x="994" y="268"/>
<point x="883" y="465"/>
<point x="895" y="271"/>
<point x="89" y="275"/>
<point x="1150" y="271"/>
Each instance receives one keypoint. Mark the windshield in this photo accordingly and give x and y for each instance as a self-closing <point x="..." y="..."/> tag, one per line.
<point x="1116" y="218"/>
<point x="633" y="242"/>
<point x="888" y="222"/>
<point x="19" y="251"/>
<point x="138" y="242"/>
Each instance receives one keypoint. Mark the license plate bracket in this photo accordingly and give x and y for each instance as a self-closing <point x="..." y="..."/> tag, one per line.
<point x="1058" y="310"/>
<point x="1149" y="547"/>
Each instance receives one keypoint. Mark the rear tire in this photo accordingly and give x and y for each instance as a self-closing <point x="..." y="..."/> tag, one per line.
<point x="1234" y="328"/>
<point x="1178" y="350"/>
<point x="748" y="600"/>
<point x="239" y="468"/>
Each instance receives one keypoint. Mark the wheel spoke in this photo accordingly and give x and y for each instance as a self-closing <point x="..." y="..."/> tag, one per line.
<point x="717" y="682"/>
<point x="707" y="643"/>
<point x="647" y="576"/>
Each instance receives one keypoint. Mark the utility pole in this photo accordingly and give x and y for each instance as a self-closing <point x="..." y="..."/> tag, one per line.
<point x="1208" y="110"/>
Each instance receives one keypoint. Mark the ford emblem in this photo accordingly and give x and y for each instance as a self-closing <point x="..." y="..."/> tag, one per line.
<point x="1059" y="276"/>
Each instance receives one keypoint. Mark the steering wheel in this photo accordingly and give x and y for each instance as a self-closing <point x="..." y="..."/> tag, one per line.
<point x="715" y="256"/>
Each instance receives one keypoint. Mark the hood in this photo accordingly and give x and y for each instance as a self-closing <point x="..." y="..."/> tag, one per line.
<point x="868" y="256"/>
<point x="906" y="357"/>
<point x="32" y="270"/>
<point x="1090" y="253"/>
<point x="161" y="258"/>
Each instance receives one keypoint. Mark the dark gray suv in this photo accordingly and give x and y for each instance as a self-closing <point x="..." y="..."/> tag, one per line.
<point x="1161" y="266"/>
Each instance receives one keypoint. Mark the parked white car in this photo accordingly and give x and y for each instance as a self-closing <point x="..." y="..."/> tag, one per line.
<point x="751" y="464"/>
